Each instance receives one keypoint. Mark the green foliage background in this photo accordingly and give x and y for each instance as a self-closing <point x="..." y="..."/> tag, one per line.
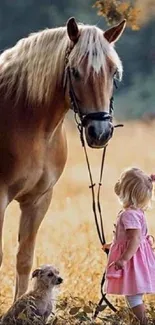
<point x="135" y="97"/>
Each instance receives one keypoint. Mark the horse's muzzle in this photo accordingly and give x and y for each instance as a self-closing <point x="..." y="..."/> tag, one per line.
<point x="98" y="133"/>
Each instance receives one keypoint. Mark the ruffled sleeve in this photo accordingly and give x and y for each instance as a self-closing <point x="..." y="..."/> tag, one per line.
<point x="131" y="219"/>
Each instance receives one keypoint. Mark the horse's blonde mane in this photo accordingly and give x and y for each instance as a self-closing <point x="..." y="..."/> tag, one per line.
<point x="97" y="49"/>
<point x="36" y="63"/>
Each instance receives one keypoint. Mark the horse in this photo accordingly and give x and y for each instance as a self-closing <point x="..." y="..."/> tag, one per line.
<point x="40" y="77"/>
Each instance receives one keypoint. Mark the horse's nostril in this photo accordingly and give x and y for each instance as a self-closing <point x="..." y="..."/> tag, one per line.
<point x="112" y="130"/>
<point x="92" y="131"/>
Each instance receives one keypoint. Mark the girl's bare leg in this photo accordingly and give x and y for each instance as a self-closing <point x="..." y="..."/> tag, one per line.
<point x="140" y="313"/>
<point x="138" y="308"/>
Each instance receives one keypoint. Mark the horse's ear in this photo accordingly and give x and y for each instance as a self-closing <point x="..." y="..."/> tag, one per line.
<point x="113" y="34"/>
<point x="73" y="30"/>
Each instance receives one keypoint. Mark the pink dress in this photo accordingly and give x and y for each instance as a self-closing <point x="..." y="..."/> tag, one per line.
<point x="138" y="275"/>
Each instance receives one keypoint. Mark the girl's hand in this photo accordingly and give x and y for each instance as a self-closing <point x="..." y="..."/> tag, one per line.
<point x="151" y="240"/>
<point x="106" y="246"/>
<point x="119" y="264"/>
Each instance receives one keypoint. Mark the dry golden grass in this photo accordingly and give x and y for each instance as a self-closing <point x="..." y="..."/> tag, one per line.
<point x="67" y="237"/>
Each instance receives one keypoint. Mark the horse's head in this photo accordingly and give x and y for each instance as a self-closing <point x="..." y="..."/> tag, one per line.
<point x="91" y="65"/>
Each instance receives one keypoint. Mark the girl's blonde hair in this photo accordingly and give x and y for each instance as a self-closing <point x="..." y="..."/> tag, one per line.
<point x="134" y="188"/>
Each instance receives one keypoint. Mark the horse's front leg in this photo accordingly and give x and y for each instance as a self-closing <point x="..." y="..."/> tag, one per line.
<point x="32" y="215"/>
<point x="3" y="205"/>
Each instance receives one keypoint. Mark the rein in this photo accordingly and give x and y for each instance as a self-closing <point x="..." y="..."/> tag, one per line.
<point x="97" y="215"/>
<point x="81" y="122"/>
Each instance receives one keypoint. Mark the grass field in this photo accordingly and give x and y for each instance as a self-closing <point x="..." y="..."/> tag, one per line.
<point x="67" y="237"/>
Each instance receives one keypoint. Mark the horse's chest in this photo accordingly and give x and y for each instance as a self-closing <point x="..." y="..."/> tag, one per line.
<point x="39" y="167"/>
<point x="36" y="179"/>
<point x="26" y="183"/>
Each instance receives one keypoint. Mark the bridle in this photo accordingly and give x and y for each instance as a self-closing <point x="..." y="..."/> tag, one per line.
<point x="98" y="116"/>
<point x="81" y="122"/>
<point x="74" y="102"/>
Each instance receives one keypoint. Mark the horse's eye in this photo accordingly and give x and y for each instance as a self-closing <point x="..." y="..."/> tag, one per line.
<point x="50" y="274"/>
<point x="116" y="75"/>
<point x="76" y="73"/>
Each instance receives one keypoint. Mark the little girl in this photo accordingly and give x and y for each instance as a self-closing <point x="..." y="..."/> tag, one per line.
<point x="131" y="262"/>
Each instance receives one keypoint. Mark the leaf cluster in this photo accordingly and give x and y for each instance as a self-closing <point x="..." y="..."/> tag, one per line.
<point x="116" y="10"/>
<point x="76" y="311"/>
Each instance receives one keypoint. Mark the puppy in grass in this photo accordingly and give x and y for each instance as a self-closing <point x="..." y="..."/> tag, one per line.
<point x="35" y="306"/>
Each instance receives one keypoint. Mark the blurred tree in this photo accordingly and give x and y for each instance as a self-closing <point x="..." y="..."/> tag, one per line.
<point x="18" y="18"/>
<point x="138" y="100"/>
<point x="116" y="10"/>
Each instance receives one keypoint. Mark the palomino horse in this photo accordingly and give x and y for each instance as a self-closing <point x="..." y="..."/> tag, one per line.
<point x="38" y="77"/>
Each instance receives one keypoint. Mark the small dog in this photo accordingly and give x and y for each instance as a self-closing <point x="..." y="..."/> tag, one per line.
<point x="36" y="305"/>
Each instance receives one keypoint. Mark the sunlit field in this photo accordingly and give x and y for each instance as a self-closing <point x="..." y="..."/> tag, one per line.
<point x="67" y="236"/>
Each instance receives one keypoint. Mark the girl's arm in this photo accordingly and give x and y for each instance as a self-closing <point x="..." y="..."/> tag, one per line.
<point x="134" y="236"/>
<point x="106" y="246"/>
